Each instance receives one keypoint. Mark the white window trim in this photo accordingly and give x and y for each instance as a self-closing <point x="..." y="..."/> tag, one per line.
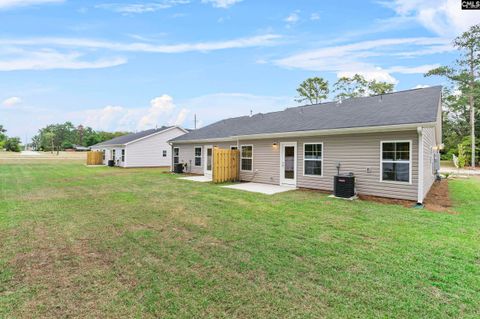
<point x="123" y="154"/>
<point x="303" y="156"/>
<point x="195" y="155"/>
<point x="164" y="153"/>
<point x="245" y="170"/>
<point x="390" y="161"/>
<point x="173" y="155"/>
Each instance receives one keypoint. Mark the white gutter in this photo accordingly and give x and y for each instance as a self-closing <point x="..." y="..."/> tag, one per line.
<point x="420" y="165"/>
<point x="367" y="129"/>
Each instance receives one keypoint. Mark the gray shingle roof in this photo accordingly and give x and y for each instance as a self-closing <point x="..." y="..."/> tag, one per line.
<point x="124" y="139"/>
<point x="403" y="107"/>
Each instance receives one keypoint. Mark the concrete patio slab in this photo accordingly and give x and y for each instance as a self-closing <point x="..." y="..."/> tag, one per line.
<point x="201" y="179"/>
<point x="261" y="188"/>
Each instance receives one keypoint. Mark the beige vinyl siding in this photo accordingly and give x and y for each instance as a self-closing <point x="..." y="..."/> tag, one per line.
<point x="428" y="144"/>
<point x="359" y="154"/>
<point x="355" y="152"/>
<point x="265" y="163"/>
<point x="108" y="155"/>
<point x="148" y="152"/>
<point x="187" y="154"/>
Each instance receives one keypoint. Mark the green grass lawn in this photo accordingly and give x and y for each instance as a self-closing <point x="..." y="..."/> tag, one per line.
<point x="107" y="242"/>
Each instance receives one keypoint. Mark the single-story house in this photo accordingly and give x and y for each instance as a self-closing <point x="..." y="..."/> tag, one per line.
<point x="390" y="142"/>
<point x="148" y="148"/>
<point x="78" y="148"/>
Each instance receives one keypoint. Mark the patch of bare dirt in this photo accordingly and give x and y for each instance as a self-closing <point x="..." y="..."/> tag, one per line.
<point x="438" y="198"/>
<point x="384" y="200"/>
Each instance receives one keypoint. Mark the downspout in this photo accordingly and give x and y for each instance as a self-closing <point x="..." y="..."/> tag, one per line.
<point x="171" y="157"/>
<point x="125" y="157"/>
<point x="420" y="167"/>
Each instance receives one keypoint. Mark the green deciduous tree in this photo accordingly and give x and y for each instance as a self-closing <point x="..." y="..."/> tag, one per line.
<point x="346" y="87"/>
<point x="357" y="86"/>
<point x="12" y="144"/>
<point x="3" y="136"/>
<point x="464" y="77"/>
<point x="378" y="87"/>
<point x="58" y="137"/>
<point x="313" y="90"/>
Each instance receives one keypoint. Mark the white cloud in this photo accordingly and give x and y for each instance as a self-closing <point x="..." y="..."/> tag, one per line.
<point x="159" y="107"/>
<point x="119" y="118"/>
<point x="135" y="8"/>
<point x="254" y="41"/>
<point x="9" y="4"/>
<point x="443" y="17"/>
<point x="179" y="120"/>
<point x="315" y="16"/>
<point x="292" y="17"/>
<point x="18" y="59"/>
<point x="12" y="101"/>
<point x="222" y="3"/>
<point x="109" y="118"/>
<point x="413" y="70"/>
<point x="421" y="86"/>
<point x="356" y="57"/>
<point x="33" y="54"/>
<point x="373" y="74"/>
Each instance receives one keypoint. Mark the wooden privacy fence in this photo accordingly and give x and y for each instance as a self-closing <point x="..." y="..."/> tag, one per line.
<point x="94" y="158"/>
<point x="225" y="165"/>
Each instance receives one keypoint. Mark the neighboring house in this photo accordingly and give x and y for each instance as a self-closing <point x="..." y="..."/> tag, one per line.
<point x="80" y="148"/>
<point x="388" y="141"/>
<point x="143" y="149"/>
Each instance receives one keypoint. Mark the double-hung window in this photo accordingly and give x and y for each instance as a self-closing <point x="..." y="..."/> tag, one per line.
<point x="312" y="159"/>
<point x="164" y="153"/>
<point x="123" y="155"/>
<point x="113" y="155"/>
<point x="396" y="161"/>
<point x="176" y="155"/>
<point x="198" y="156"/>
<point x="246" y="158"/>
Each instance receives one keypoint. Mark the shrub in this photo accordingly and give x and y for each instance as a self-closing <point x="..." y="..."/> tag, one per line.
<point x="467" y="147"/>
<point x="67" y="145"/>
<point x="462" y="158"/>
<point x="12" y="144"/>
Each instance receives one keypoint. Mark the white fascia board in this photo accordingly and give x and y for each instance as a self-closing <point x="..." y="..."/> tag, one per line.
<point x="107" y="146"/>
<point x="204" y="141"/>
<point x="153" y="134"/>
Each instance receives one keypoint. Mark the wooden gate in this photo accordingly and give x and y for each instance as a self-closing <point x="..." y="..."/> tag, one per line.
<point x="225" y="165"/>
<point x="94" y="158"/>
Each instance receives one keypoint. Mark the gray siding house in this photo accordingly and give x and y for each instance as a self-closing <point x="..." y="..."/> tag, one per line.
<point x="148" y="148"/>
<point x="388" y="141"/>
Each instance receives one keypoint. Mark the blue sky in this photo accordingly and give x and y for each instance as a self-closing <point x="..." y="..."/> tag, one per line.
<point x="132" y="65"/>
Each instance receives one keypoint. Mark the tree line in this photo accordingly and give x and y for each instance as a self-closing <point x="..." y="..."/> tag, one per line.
<point x="11" y="144"/>
<point x="460" y="98"/>
<point x="59" y="137"/>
